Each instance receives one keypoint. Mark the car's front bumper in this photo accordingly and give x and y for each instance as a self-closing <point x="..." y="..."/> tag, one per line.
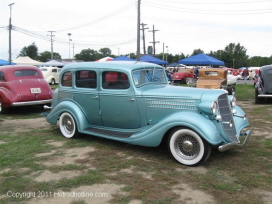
<point x="29" y="103"/>
<point x="228" y="146"/>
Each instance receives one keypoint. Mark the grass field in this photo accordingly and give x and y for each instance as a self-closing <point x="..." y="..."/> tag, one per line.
<point x="38" y="165"/>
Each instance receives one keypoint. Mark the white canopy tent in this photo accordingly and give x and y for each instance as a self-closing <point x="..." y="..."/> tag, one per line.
<point x="26" y="61"/>
<point x="53" y="63"/>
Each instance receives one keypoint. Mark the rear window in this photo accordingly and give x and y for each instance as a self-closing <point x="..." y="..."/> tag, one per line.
<point x="211" y="73"/>
<point x="27" y="72"/>
<point x="66" y="79"/>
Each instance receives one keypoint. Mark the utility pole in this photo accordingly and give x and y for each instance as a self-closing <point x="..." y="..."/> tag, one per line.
<point x="154" y="42"/>
<point x="69" y="34"/>
<point x="51" y="34"/>
<point x="143" y="28"/>
<point x="138" y="31"/>
<point x="10" y="27"/>
<point x="73" y="50"/>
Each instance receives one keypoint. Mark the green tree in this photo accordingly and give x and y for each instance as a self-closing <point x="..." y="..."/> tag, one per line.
<point x="46" y="55"/>
<point x="105" y="52"/>
<point x="258" y="61"/>
<point x="30" y="51"/>
<point x="197" y="51"/>
<point x="87" y="55"/>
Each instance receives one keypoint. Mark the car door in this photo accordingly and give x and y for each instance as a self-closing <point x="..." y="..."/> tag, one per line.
<point x="119" y="108"/>
<point x="86" y="95"/>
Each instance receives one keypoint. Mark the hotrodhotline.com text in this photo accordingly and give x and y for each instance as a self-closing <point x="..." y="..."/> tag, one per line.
<point x="52" y="194"/>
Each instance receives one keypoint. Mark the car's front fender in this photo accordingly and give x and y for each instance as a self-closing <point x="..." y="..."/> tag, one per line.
<point x="193" y="120"/>
<point x="70" y="107"/>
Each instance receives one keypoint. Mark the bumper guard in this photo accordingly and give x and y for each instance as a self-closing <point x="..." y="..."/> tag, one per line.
<point x="228" y="146"/>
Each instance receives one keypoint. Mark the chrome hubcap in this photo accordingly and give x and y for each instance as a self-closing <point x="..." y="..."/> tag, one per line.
<point x="68" y="124"/>
<point x="187" y="147"/>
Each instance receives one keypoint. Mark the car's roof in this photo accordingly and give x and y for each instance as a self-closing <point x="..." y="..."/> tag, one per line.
<point x="125" y="65"/>
<point x="11" y="68"/>
<point x="266" y="67"/>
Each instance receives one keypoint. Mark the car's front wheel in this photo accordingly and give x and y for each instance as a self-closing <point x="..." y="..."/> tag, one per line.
<point x="68" y="125"/>
<point x="187" y="147"/>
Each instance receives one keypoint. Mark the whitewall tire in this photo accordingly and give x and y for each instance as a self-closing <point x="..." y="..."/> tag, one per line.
<point x="187" y="147"/>
<point x="68" y="125"/>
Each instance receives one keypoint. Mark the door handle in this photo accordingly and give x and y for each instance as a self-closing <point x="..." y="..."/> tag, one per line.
<point x="132" y="99"/>
<point x="96" y="97"/>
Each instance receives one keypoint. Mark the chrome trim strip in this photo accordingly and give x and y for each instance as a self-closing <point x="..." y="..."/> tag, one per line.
<point x="171" y="104"/>
<point x="29" y="103"/>
<point x="265" y="96"/>
<point x="228" y="146"/>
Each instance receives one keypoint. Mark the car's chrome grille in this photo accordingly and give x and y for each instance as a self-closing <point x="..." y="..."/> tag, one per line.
<point x="188" y="105"/>
<point x="227" y="118"/>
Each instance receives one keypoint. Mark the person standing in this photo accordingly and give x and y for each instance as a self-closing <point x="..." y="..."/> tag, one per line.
<point x="245" y="74"/>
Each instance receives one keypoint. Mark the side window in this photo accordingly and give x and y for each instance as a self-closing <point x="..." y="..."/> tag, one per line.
<point x="66" y="79"/>
<point x="54" y="70"/>
<point x="86" y="79"/>
<point x="2" y="76"/>
<point x="115" y="80"/>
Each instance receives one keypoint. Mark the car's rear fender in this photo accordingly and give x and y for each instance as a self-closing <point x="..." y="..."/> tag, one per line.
<point x="73" y="109"/>
<point x="5" y="97"/>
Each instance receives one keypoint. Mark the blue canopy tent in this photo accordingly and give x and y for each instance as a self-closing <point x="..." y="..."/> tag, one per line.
<point x="5" y="62"/>
<point x="201" y="59"/>
<point x="123" y="58"/>
<point x="151" y="59"/>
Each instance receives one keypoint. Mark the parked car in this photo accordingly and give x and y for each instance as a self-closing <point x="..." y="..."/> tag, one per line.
<point x="51" y="74"/>
<point x="133" y="103"/>
<point x="182" y="75"/>
<point x="263" y="87"/>
<point x="216" y="78"/>
<point x="231" y="79"/>
<point x="23" y="86"/>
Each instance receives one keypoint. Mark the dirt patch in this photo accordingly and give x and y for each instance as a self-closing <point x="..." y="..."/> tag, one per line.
<point x="50" y="176"/>
<point x="188" y="195"/>
<point x="70" y="156"/>
<point x="22" y="125"/>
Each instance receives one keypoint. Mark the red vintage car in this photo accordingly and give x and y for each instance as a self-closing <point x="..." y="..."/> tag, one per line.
<point x="182" y="75"/>
<point x="23" y="86"/>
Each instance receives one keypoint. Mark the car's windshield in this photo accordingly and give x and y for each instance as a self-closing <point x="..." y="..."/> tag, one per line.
<point x="149" y="75"/>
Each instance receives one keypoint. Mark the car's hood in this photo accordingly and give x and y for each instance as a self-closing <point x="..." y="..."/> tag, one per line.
<point x="179" y="92"/>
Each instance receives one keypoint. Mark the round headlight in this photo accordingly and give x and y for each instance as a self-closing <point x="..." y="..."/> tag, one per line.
<point x="233" y="101"/>
<point x="214" y="108"/>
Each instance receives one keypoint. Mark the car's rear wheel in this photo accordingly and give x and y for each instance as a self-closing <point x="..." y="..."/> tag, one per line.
<point x="257" y="99"/>
<point x="231" y="90"/>
<point x="52" y="81"/>
<point x="187" y="147"/>
<point x="3" y="110"/>
<point x="68" y="125"/>
<point x="184" y="81"/>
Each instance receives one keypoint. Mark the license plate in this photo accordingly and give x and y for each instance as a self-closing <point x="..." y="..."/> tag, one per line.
<point x="35" y="90"/>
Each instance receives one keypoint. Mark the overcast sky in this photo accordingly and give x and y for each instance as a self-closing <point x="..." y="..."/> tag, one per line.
<point x="183" y="25"/>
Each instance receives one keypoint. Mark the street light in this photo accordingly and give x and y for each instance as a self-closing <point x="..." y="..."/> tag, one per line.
<point x="69" y="34"/>
<point x="10" y="33"/>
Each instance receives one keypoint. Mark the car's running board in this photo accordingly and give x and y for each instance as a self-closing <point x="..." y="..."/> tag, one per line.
<point x="109" y="133"/>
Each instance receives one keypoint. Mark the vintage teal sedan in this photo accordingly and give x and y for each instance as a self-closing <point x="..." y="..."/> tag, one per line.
<point x="132" y="102"/>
